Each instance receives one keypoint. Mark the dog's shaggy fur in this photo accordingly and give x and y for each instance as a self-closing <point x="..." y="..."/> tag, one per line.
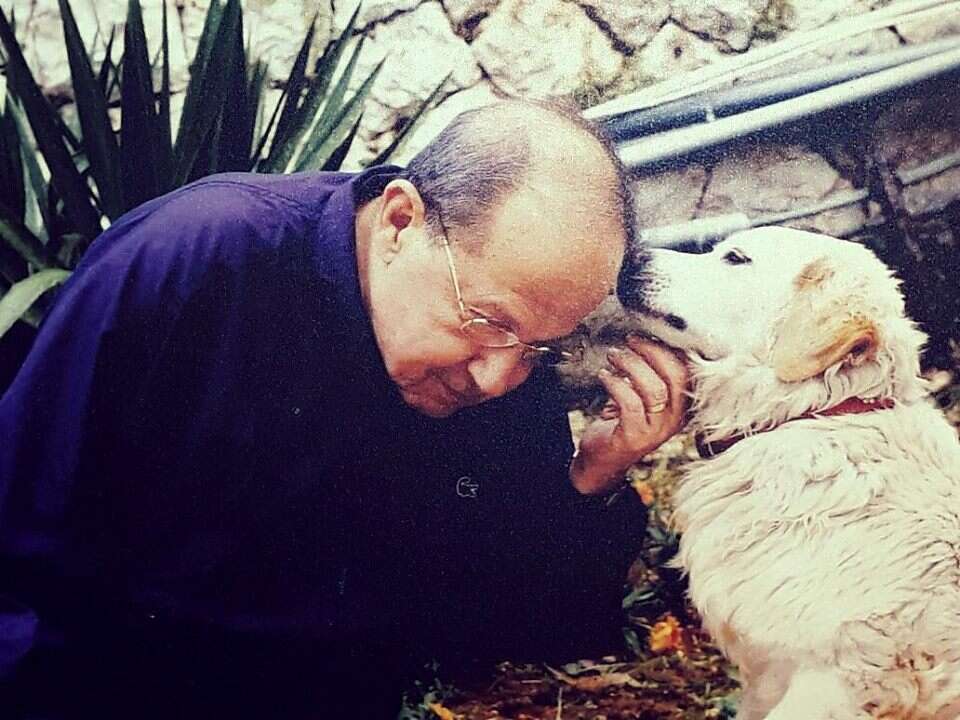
<point x="823" y="552"/>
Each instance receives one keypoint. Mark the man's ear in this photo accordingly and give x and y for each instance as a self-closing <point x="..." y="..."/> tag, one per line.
<point x="821" y="328"/>
<point x="402" y="208"/>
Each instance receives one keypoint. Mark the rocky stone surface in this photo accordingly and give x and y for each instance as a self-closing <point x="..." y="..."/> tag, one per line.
<point x="420" y="49"/>
<point x="670" y="197"/>
<point x="588" y="49"/>
<point x="730" y="22"/>
<point x="775" y="178"/>
<point x="810" y="14"/>
<point x="463" y="11"/>
<point x="371" y="11"/>
<point x="673" y="51"/>
<point x="631" y="23"/>
<point x="543" y="48"/>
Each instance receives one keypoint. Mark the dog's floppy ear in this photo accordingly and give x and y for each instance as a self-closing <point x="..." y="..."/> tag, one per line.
<point x="821" y="328"/>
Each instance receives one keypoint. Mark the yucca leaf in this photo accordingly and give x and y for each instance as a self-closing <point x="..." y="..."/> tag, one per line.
<point x="139" y="144"/>
<point x="63" y="174"/>
<point x="27" y="245"/>
<point x="36" y="216"/>
<point x="294" y="85"/>
<point x="116" y="81"/>
<point x="103" y="75"/>
<point x="327" y="64"/>
<point x="335" y="113"/>
<point x="336" y="158"/>
<point x="164" y="131"/>
<point x="201" y="59"/>
<point x="265" y="134"/>
<point x="22" y="295"/>
<point x="282" y="151"/>
<point x="12" y="189"/>
<point x="99" y="143"/>
<point x="235" y="122"/>
<point x="258" y="76"/>
<point x="217" y="78"/>
<point x="407" y="130"/>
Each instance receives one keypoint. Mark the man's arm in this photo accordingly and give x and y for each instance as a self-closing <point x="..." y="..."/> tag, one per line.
<point x="647" y="408"/>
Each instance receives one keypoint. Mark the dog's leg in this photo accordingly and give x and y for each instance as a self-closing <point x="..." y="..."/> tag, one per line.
<point x="817" y="695"/>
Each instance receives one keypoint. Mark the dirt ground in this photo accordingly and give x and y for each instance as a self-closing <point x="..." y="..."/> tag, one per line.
<point x="674" y="685"/>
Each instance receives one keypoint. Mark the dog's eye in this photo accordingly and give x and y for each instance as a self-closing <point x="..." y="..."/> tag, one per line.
<point x="736" y="257"/>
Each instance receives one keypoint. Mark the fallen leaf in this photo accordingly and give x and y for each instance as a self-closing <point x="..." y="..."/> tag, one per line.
<point x="443" y="713"/>
<point x="596" y="683"/>
<point x="666" y="635"/>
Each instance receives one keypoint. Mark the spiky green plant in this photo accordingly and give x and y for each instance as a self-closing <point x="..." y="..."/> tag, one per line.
<point x="58" y="192"/>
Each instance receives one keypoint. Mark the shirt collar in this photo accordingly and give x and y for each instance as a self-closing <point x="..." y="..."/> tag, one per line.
<point x="337" y="259"/>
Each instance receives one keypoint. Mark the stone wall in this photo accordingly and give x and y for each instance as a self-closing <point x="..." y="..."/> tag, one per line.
<point x="587" y="49"/>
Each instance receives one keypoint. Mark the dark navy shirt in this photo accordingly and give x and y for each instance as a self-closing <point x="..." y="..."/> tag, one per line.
<point x="204" y="465"/>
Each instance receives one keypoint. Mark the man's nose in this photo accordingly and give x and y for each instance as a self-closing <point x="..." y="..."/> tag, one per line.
<point x="497" y="370"/>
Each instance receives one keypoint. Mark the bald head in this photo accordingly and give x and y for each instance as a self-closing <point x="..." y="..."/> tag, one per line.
<point x="486" y="155"/>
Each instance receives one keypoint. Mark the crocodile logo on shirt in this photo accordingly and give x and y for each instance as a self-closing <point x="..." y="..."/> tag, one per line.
<point x="467" y="487"/>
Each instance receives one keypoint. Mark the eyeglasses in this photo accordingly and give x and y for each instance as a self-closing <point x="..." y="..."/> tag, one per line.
<point x="486" y="331"/>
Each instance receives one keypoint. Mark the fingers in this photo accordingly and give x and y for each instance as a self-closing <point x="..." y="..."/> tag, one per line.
<point x="669" y="367"/>
<point x="649" y="384"/>
<point x="643" y="377"/>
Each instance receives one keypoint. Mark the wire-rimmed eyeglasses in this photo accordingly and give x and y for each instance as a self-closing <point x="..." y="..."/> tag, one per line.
<point x="491" y="333"/>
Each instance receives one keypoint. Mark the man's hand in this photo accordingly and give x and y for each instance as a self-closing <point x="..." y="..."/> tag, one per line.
<point x="646" y="407"/>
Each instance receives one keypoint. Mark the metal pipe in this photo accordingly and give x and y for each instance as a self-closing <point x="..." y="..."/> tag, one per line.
<point x="710" y="106"/>
<point x="741" y="67"/>
<point x="928" y="170"/>
<point x="702" y="231"/>
<point x="657" y="149"/>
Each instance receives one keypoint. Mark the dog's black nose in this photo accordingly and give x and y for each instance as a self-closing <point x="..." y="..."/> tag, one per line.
<point x="675" y="321"/>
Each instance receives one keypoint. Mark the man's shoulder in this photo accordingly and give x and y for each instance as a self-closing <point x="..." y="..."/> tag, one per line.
<point x="307" y="191"/>
<point x="222" y="215"/>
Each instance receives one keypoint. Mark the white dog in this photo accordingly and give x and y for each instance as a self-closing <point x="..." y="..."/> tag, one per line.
<point x="823" y="547"/>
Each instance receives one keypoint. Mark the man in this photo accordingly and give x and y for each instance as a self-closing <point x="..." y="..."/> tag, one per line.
<point x="283" y="436"/>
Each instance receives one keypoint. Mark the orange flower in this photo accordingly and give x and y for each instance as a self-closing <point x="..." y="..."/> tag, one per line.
<point x="666" y="635"/>
<point x="644" y="491"/>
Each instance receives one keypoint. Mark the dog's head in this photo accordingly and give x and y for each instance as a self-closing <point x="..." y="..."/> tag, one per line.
<point x="778" y="322"/>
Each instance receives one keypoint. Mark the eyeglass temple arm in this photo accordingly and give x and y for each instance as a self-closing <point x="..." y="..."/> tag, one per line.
<point x="453" y="276"/>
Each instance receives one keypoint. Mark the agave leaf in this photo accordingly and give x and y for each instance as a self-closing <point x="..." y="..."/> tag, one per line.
<point x="99" y="143"/>
<point x="36" y="217"/>
<point x="22" y="295"/>
<point x="294" y="85"/>
<point x="258" y="76"/>
<point x="116" y="82"/>
<point x="103" y="75"/>
<point x="235" y="121"/>
<point x="323" y="138"/>
<point x="164" y="131"/>
<point x="217" y="77"/>
<point x="265" y="134"/>
<point x="278" y="160"/>
<point x="63" y="174"/>
<point x="27" y="245"/>
<point x="12" y="189"/>
<point x="201" y="59"/>
<point x="139" y="143"/>
<point x="337" y="157"/>
<point x="407" y="130"/>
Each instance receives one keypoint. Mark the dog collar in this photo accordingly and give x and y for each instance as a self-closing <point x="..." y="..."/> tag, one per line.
<point x="850" y="406"/>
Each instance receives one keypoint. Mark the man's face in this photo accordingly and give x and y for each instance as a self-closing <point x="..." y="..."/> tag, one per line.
<point x="547" y="262"/>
